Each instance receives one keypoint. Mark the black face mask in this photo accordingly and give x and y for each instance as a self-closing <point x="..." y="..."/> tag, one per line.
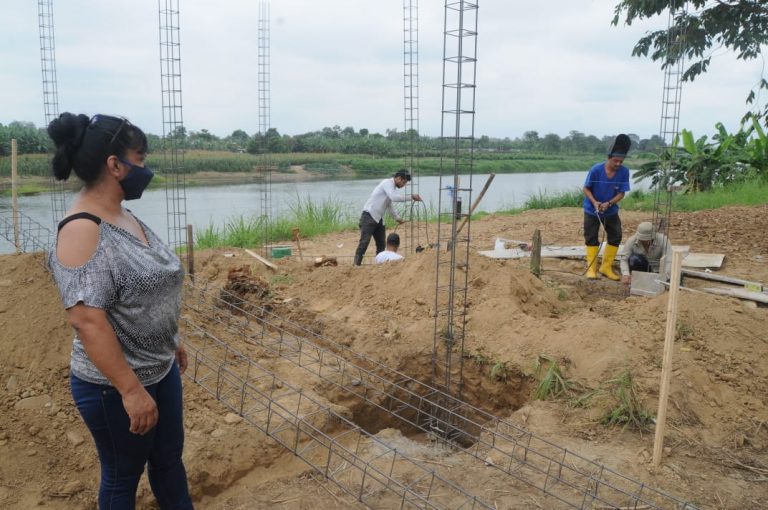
<point x="136" y="181"/>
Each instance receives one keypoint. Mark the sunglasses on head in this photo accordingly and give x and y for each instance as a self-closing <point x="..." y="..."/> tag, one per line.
<point x="123" y="122"/>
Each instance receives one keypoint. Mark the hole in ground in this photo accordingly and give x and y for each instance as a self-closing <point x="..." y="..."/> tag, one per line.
<point x="421" y="416"/>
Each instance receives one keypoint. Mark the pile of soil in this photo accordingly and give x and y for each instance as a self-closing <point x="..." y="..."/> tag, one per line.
<point x="717" y="427"/>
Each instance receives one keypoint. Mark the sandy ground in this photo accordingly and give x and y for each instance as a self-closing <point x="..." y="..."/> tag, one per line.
<point x="717" y="437"/>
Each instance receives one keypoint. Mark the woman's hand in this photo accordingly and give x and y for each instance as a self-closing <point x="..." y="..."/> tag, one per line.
<point x="181" y="358"/>
<point x="141" y="409"/>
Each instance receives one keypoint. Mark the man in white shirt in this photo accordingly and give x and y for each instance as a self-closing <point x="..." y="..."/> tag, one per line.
<point x="372" y="219"/>
<point x="390" y="254"/>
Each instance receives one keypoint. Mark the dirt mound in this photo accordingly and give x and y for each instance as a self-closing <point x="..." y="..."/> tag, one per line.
<point x="717" y="437"/>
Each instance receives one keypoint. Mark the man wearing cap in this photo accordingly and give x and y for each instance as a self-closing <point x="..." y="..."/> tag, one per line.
<point x="645" y="251"/>
<point x="390" y="254"/>
<point x="372" y="219"/>
<point x="605" y="186"/>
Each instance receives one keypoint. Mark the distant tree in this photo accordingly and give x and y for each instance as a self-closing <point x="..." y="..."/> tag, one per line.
<point x="738" y="25"/>
<point x="531" y="140"/>
<point x="363" y="132"/>
<point x="551" y="143"/>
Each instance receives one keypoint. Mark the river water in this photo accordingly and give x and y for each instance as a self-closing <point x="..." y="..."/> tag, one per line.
<point x="207" y="205"/>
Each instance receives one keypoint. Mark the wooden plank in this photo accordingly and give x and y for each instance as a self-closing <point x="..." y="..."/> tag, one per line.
<point x="261" y="259"/>
<point x="720" y="278"/>
<point x="666" y="365"/>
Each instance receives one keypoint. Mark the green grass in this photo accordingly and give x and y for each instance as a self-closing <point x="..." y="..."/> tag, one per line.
<point x="310" y="217"/>
<point x="753" y="192"/>
<point x="628" y="411"/>
<point x="552" y="383"/>
<point x="360" y="165"/>
<point x="540" y="200"/>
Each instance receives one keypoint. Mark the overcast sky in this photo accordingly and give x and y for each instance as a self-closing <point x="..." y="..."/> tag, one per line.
<point x="550" y="66"/>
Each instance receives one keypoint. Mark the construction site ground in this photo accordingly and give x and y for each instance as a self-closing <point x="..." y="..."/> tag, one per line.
<point x="716" y="447"/>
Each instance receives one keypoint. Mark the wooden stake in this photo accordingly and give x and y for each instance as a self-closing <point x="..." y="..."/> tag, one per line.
<point x="190" y="253"/>
<point x="536" y="253"/>
<point x="14" y="195"/>
<point x="477" y="201"/>
<point x="295" y="232"/>
<point x="669" y="345"/>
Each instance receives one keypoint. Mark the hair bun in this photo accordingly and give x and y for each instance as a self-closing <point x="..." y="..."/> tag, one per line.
<point x="67" y="133"/>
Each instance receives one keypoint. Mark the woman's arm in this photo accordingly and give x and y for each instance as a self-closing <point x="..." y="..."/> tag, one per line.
<point x="104" y="351"/>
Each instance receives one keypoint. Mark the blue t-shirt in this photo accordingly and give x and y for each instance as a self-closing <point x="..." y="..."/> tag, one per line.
<point x="604" y="189"/>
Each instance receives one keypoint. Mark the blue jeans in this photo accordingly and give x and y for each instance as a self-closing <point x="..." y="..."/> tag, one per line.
<point x="123" y="454"/>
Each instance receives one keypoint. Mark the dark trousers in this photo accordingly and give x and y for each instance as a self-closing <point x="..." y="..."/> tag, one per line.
<point x="639" y="263"/>
<point x="123" y="454"/>
<point x="370" y="228"/>
<point x="612" y="225"/>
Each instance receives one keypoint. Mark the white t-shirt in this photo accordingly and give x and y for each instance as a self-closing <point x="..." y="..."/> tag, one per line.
<point x="387" y="256"/>
<point x="381" y="200"/>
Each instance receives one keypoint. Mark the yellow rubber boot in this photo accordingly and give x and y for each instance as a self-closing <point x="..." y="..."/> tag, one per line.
<point x="592" y="261"/>
<point x="606" y="268"/>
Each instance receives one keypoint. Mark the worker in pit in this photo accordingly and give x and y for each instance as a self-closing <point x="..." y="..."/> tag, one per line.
<point x="646" y="251"/>
<point x="605" y="186"/>
<point x="372" y="218"/>
<point x="390" y="254"/>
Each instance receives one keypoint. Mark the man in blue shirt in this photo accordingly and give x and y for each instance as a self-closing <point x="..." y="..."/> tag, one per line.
<point x="605" y="186"/>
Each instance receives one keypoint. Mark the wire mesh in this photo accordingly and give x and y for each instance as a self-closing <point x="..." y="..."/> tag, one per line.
<point x="363" y="466"/>
<point x="571" y="479"/>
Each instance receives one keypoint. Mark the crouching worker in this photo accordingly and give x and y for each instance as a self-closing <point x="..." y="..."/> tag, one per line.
<point x="645" y="251"/>
<point x="390" y="254"/>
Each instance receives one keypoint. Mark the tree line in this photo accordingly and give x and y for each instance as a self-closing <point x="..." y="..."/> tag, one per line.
<point x="348" y="140"/>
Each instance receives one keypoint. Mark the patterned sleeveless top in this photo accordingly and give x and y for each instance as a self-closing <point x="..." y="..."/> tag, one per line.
<point x="138" y="286"/>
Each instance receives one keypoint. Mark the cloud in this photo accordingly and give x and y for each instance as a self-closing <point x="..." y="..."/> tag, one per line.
<point x="545" y="66"/>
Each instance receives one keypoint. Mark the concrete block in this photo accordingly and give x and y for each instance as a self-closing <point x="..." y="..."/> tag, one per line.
<point x="645" y="284"/>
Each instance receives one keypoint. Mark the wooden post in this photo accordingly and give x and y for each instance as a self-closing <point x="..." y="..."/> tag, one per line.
<point x="536" y="253"/>
<point x="14" y="195"/>
<point x="295" y="232"/>
<point x="477" y="202"/>
<point x="669" y="345"/>
<point x="190" y="253"/>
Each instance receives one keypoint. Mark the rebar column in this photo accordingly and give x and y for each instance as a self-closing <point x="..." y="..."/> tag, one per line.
<point x="670" y="117"/>
<point x="174" y="134"/>
<point x="265" y="161"/>
<point x="457" y="134"/>
<point x="50" y="95"/>
<point x="416" y="232"/>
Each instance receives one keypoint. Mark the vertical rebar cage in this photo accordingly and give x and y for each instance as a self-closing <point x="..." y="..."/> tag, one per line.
<point x="174" y="134"/>
<point x="50" y="96"/>
<point x="264" y="114"/>
<point x="416" y="232"/>
<point x="457" y="135"/>
<point x="670" y="116"/>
